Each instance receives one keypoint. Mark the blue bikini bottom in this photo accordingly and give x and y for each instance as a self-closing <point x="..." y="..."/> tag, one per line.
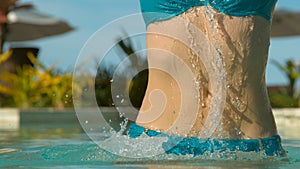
<point x="157" y="10"/>
<point x="198" y="146"/>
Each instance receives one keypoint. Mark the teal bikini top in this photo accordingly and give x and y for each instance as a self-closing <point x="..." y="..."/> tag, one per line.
<point x="157" y="10"/>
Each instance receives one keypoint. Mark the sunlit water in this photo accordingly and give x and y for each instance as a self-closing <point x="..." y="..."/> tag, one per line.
<point x="66" y="146"/>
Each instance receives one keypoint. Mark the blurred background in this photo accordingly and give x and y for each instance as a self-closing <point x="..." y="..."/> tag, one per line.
<point x="88" y="16"/>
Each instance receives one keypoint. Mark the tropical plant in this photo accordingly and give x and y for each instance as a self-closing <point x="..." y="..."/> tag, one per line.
<point x="286" y="97"/>
<point x="136" y="87"/>
<point x="292" y="72"/>
<point x="36" y="86"/>
<point x="103" y="87"/>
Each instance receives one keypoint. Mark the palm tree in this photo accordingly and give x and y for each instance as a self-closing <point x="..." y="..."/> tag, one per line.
<point x="137" y="85"/>
<point x="292" y="72"/>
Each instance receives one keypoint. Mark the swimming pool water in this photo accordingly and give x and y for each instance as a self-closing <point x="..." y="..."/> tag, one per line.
<point x="66" y="146"/>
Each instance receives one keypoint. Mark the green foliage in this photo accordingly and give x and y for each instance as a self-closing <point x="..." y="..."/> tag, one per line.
<point x="136" y="86"/>
<point x="286" y="97"/>
<point x="282" y="100"/>
<point x="36" y="86"/>
<point x="103" y="87"/>
<point x="292" y="72"/>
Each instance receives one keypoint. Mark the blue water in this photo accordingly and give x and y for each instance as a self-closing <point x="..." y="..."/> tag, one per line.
<point x="66" y="146"/>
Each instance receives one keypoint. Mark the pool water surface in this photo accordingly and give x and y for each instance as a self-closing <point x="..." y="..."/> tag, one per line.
<point x="67" y="146"/>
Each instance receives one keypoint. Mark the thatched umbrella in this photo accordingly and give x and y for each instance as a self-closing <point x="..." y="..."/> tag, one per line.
<point x="29" y="24"/>
<point x="285" y="23"/>
<point x="24" y="23"/>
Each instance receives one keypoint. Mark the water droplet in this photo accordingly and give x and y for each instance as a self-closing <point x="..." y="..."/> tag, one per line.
<point x="251" y="28"/>
<point x="220" y="52"/>
<point x="242" y="107"/>
<point x="112" y="80"/>
<point x="121" y="114"/>
<point x="232" y="101"/>
<point x="86" y="122"/>
<point x="122" y="101"/>
<point x="219" y="62"/>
